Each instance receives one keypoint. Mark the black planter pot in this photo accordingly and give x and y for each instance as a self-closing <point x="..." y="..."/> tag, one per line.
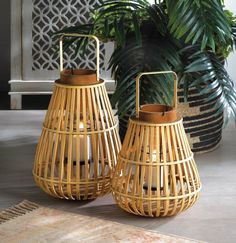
<point x="203" y="124"/>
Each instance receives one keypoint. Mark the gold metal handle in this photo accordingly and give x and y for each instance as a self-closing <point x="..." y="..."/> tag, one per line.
<point x="155" y="73"/>
<point x="85" y="36"/>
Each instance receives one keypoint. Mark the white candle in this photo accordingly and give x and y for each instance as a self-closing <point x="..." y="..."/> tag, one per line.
<point x="84" y="141"/>
<point x="154" y="172"/>
<point x="155" y="176"/>
<point x="77" y="148"/>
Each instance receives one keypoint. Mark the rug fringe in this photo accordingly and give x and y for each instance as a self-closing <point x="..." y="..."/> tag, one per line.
<point x="17" y="210"/>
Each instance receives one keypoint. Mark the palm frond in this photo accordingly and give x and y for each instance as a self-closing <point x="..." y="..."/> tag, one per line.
<point x="114" y="19"/>
<point x="199" y="21"/>
<point x="207" y="73"/>
<point x="155" y="53"/>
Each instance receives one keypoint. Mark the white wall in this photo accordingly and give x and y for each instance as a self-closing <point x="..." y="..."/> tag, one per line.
<point x="230" y="65"/>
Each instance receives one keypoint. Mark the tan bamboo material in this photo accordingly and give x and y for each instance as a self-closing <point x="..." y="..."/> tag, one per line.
<point x="78" y="147"/>
<point x="156" y="174"/>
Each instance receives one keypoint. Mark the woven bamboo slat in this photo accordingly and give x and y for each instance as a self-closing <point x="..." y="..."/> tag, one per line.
<point x="78" y="147"/>
<point x="156" y="174"/>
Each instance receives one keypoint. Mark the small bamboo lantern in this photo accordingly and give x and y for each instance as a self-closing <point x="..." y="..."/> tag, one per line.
<point x="156" y="174"/>
<point x="78" y="148"/>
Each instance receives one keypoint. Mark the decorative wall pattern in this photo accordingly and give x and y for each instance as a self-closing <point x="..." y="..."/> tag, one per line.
<point x="50" y="16"/>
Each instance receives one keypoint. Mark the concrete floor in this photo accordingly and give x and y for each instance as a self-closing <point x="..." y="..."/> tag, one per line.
<point x="212" y="219"/>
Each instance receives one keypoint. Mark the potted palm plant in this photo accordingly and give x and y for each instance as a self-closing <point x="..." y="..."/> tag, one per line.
<point x="192" y="38"/>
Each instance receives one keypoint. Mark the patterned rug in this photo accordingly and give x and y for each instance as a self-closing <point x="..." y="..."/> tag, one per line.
<point x="28" y="222"/>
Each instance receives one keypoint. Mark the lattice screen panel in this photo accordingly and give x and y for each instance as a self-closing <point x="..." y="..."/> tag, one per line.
<point x="49" y="16"/>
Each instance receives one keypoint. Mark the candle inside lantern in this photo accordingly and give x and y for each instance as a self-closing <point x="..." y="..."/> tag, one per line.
<point x="154" y="172"/>
<point x="85" y="148"/>
<point x="155" y="176"/>
<point x="84" y="143"/>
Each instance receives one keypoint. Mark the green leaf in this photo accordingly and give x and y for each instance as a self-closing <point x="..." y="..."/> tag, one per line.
<point x="137" y="29"/>
<point x="198" y="22"/>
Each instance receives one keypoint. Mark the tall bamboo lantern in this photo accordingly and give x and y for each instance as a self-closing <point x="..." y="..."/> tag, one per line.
<point x="78" y="147"/>
<point x="156" y="174"/>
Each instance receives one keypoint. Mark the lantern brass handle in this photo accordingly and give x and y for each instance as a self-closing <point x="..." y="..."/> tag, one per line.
<point x="155" y="73"/>
<point x="85" y="36"/>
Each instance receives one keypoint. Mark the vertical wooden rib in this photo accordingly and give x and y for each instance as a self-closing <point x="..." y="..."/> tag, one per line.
<point x="127" y="185"/>
<point x="150" y="167"/>
<point x="113" y="134"/>
<point x="143" y="168"/>
<point x="110" y="146"/>
<point x="85" y="147"/>
<point x="100" y="153"/>
<point x="62" y="149"/>
<point x="189" y="166"/>
<point x="130" y="146"/>
<point x="41" y="155"/>
<point x="47" y="163"/>
<point x="70" y="164"/>
<point x="106" y="133"/>
<point x="173" y="188"/>
<point x="158" y="192"/>
<point x="66" y="149"/>
<point x="183" y="155"/>
<point x="78" y="167"/>
<point x="165" y="171"/>
<point x="139" y="147"/>
<point x="124" y="183"/>
<point x="95" y="163"/>
<point x="57" y="143"/>
<point x="103" y="122"/>
<point x="137" y="167"/>
<point x="53" y="165"/>
<point x="179" y="166"/>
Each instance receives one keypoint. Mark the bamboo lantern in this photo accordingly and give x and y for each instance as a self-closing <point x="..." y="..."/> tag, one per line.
<point x="156" y="174"/>
<point x="78" y="147"/>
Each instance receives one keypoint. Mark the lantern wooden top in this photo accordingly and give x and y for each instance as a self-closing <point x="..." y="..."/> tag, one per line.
<point x="156" y="113"/>
<point x="77" y="77"/>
